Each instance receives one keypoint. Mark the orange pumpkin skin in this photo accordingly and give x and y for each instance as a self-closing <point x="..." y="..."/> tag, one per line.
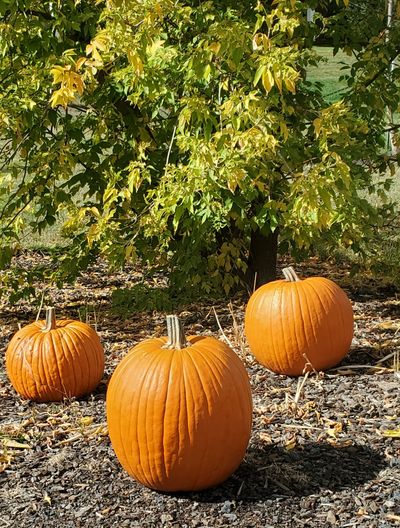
<point x="63" y="362"/>
<point x="288" y="324"/>
<point x="180" y="420"/>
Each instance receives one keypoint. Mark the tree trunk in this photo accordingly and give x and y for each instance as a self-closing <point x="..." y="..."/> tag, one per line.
<point x="262" y="259"/>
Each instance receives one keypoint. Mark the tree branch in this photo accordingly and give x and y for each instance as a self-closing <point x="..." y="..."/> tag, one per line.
<point x="382" y="70"/>
<point x="39" y="14"/>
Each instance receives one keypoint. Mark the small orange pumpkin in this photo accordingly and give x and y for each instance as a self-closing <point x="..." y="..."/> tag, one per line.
<point x="51" y="360"/>
<point x="179" y="412"/>
<point x="297" y="325"/>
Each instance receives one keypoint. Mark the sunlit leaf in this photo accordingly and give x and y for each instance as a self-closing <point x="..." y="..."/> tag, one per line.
<point x="391" y="433"/>
<point x="267" y="80"/>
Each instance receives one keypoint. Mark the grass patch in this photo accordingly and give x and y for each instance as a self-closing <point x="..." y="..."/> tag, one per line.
<point x="328" y="72"/>
<point x="49" y="241"/>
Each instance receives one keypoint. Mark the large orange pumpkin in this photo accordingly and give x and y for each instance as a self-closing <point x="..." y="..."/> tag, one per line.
<point x="297" y="325"/>
<point x="51" y="360"/>
<point x="179" y="412"/>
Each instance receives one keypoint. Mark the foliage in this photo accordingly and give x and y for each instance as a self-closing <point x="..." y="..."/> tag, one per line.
<point x="142" y="298"/>
<point x="383" y="255"/>
<point x="171" y="131"/>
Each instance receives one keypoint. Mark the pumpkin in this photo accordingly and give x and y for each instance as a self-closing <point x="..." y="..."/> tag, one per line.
<point x="293" y="326"/>
<point x="179" y="411"/>
<point x="51" y="360"/>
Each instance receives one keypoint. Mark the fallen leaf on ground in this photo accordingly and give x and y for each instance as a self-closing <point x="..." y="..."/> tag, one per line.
<point x="8" y="442"/>
<point x="392" y="433"/>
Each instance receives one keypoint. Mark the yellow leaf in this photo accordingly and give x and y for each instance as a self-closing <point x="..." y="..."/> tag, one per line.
<point x="99" y="43"/>
<point x="5" y="460"/>
<point x="80" y="62"/>
<point x="290" y="85"/>
<point x="267" y="80"/>
<point x="334" y="428"/>
<point x="100" y="430"/>
<point x="157" y="44"/>
<point x="92" y="234"/>
<point x="291" y="444"/>
<point x="284" y="129"/>
<point x="278" y="80"/>
<point x="110" y="194"/>
<point x="214" y="47"/>
<point x="158" y="9"/>
<point x="8" y="442"/>
<point x="266" y="42"/>
<point x="46" y="498"/>
<point x="77" y="82"/>
<point x="130" y="252"/>
<point x="261" y="40"/>
<point x="86" y="420"/>
<point x="265" y="437"/>
<point x="71" y="52"/>
<point x="136" y="62"/>
<point x="4" y="119"/>
<point x="391" y="433"/>
<point x="317" y="125"/>
<point x="57" y="73"/>
<point x="260" y="185"/>
<point x="232" y="184"/>
<point x="96" y="55"/>
<point x="58" y="98"/>
<point x="95" y="212"/>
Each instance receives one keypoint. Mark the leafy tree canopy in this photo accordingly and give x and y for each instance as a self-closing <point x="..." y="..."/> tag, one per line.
<point x="179" y="131"/>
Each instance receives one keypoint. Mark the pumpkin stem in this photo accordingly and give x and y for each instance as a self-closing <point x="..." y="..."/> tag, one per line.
<point x="290" y="275"/>
<point x="50" y="319"/>
<point x="176" y="334"/>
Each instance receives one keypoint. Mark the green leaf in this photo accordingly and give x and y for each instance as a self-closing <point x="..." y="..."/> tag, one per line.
<point x="259" y="74"/>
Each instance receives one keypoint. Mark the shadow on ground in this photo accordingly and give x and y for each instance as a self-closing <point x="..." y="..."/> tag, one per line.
<point x="300" y="472"/>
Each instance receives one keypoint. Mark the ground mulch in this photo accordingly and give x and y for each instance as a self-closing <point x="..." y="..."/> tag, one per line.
<point x="324" y="451"/>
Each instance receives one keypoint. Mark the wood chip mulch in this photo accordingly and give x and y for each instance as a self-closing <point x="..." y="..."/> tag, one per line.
<point x="324" y="452"/>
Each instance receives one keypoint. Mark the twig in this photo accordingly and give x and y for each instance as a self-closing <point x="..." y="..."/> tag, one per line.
<point x="240" y="489"/>
<point x="6" y="523"/>
<point x="169" y="149"/>
<point x="219" y="104"/>
<point x="95" y="318"/>
<point x="69" y="440"/>
<point x="396" y="364"/>
<point x="300" y="385"/>
<point x="350" y="367"/>
<point x="294" y="426"/>
<point x="309" y="364"/>
<point x="392" y="517"/>
<point x="220" y="327"/>
<point x="278" y="483"/>
<point x="392" y="354"/>
<point x="255" y="282"/>
<point x="40" y="306"/>
<point x="236" y="328"/>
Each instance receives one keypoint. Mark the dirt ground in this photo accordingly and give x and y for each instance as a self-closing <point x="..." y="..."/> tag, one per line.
<point x="325" y="455"/>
